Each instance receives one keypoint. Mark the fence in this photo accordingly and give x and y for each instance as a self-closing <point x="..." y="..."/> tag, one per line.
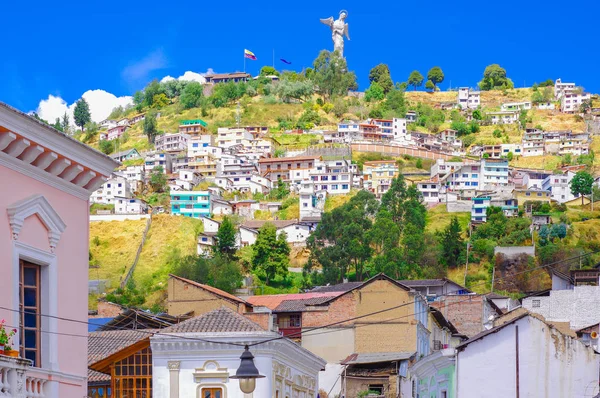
<point x="394" y="150"/>
<point x="137" y="255"/>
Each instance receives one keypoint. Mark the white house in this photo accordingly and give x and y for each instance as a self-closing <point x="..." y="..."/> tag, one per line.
<point x="130" y="206"/>
<point x="107" y="124"/>
<point x="185" y="367"/>
<point x="206" y="239"/>
<point x="312" y="202"/>
<point x="546" y="106"/>
<point x="221" y="206"/>
<point x="539" y="359"/>
<point x="296" y="232"/>
<point x="155" y="159"/>
<point x="560" y="88"/>
<point x="503" y="117"/>
<point x="516" y="106"/>
<point x="349" y="130"/>
<point x="186" y="179"/>
<point x="571" y="102"/>
<point x="177" y="142"/>
<point x="468" y="99"/>
<point x="560" y="186"/>
<point x="116" y="186"/>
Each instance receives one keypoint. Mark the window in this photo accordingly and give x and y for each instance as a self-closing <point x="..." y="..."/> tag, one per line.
<point x="344" y="186"/>
<point x="132" y="376"/>
<point x="29" y="305"/>
<point x="378" y="388"/>
<point x="212" y="393"/>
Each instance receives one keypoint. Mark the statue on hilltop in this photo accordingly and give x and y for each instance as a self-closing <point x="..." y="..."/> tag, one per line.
<point x="339" y="29"/>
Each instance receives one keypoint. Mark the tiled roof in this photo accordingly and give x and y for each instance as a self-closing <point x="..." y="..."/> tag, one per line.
<point x="299" y="305"/>
<point x="217" y="321"/>
<point x="423" y="282"/>
<point x="290" y="159"/>
<point x="340" y="287"/>
<point x="211" y="289"/>
<point x="274" y="300"/>
<point x="97" y="377"/>
<point x="104" y="344"/>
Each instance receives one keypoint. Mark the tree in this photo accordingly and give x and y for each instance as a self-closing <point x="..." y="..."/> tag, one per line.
<point x="57" y="125"/>
<point x="138" y="100"/>
<point x="82" y="114"/>
<point x="270" y="253"/>
<point x="494" y="78"/>
<point x="396" y="102"/>
<point x="92" y="131"/>
<point x="282" y="191"/>
<point x="374" y="93"/>
<point x="191" y="95"/>
<point x="429" y="85"/>
<point x="477" y="115"/>
<point x="225" y="240"/>
<point x="150" y="126"/>
<point x="268" y="71"/>
<point x="331" y="75"/>
<point x="452" y="244"/>
<point x="581" y="184"/>
<point x="160" y="101"/>
<point x="288" y="90"/>
<point x="106" y="147"/>
<point x="415" y="79"/>
<point x="380" y="74"/>
<point x="158" y="179"/>
<point x="435" y="75"/>
<point x="218" y="271"/>
<point x="419" y="163"/>
<point x="65" y="123"/>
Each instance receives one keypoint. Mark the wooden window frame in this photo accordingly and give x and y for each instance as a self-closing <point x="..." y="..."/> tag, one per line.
<point x="122" y="379"/>
<point x="212" y="390"/>
<point x="30" y="310"/>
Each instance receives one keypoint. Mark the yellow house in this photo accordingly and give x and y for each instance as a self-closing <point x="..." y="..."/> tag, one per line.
<point x="185" y="296"/>
<point x="532" y="195"/>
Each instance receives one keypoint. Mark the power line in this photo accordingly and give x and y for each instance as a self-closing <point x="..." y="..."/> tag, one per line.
<point x="155" y="333"/>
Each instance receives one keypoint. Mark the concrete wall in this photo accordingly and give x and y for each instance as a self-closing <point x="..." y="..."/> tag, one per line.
<point x="550" y="364"/>
<point x="117" y="217"/>
<point x="334" y="346"/>
<point x="578" y="306"/>
<point x="459" y="206"/>
<point x="515" y="250"/>
<point x="184" y="297"/>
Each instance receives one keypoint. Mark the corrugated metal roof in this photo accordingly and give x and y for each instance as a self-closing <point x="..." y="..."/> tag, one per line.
<point x="377" y="357"/>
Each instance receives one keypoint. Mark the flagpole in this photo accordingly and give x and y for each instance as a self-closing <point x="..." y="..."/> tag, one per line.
<point x="244" y="61"/>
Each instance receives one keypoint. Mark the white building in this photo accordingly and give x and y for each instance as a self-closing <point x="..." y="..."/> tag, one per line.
<point x="561" y="88"/>
<point x="516" y="106"/>
<point x="485" y="174"/>
<point x="177" y="142"/>
<point x="503" y="117"/>
<point x="571" y="102"/>
<point x="312" y="202"/>
<point x="206" y="238"/>
<point x="431" y="190"/>
<point x="227" y="136"/>
<point x="113" y="187"/>
<point x="155" y="159"/>
<point x="468" y="99"/>
<point x="401" y="134"/>
<point x="527" y="353"/>
<point x="107" y="124"/>
<point x="560" y="186"/>
<point x="333" y="176"/>
<point x="349" y="130"/>
<point x="134" y="173"/>
<point x="546" y="106"/>
<point x="296" y="232"/>
<point x="130" y="206"/>
<point x="533" y="142"/>
<point x="185" y="180"/>
<point x="184" y="367"/>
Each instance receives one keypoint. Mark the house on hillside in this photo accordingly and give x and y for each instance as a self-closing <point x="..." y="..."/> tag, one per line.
<point x="116" y="132"/>
<point x="235" y="77"/>
<point x="194" y="204"/>
<point x="186" y="296"/>
<point x="296" y="232"/>
<point x="177" y="142"/>
<point x="468" y="99"/>
<point x="122" y="156"/>
<point x="47" y="179"/>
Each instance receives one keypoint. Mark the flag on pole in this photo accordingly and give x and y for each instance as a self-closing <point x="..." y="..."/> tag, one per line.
<point x="284" y="61"/>
<point x="249" y="54"/>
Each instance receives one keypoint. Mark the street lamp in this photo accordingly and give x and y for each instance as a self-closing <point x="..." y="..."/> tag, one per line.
<point x="247" y="373"/>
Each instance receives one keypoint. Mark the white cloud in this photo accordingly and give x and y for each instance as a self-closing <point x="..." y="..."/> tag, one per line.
<point x="101" y="104"/>
<point x="141" y="69"/>
<point x="188" y="76"/>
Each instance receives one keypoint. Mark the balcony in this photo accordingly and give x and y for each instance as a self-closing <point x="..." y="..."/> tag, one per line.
<point x="15" y="382"/>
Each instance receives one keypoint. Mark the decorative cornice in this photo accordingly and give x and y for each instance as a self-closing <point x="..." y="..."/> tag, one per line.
<point x="42" y="176"/>
<point x="38" y="205"/>
<point x="174" y="365"/>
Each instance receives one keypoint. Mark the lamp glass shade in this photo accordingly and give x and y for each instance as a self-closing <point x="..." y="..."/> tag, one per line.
<point x="247" y="385"/>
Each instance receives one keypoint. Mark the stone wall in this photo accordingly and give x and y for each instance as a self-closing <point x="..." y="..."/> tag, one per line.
<point x="466" y="312"/>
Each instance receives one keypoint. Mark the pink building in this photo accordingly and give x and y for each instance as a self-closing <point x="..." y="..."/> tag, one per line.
<point x="115" y="132"/>
<point x="47" y="179"/>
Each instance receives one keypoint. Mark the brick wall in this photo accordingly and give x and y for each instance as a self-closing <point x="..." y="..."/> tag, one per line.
<point x="263" y="319"/>
<point x="467" y="313"/>
<point x="107" y="310"/>
<point x="184" y="297"/>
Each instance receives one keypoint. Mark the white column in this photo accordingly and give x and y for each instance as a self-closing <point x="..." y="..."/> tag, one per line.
<point x="174" y="378"/>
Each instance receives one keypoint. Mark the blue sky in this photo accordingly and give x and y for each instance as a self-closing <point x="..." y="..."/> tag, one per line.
<point x="65" y="48"/>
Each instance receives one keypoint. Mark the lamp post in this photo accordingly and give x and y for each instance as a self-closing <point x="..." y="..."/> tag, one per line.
<point x="247" y="373"/>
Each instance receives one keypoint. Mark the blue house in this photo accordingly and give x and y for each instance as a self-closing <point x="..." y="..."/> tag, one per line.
<point x="191" y="203"/>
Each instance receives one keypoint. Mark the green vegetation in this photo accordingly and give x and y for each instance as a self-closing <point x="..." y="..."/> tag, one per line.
<point x="494" y="78"/>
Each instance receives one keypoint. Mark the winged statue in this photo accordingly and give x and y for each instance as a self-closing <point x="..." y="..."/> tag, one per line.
<point x="339" y="29"/>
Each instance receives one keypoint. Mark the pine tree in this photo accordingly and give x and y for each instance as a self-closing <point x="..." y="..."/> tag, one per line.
<point x="225" y="239"/>
<point x="452" y="244"/>
<point x="82" y="114"/>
